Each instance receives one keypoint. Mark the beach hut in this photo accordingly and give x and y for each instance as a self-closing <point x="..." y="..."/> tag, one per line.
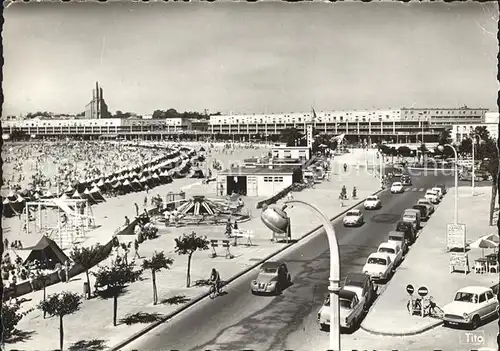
<point x="96" y="195"/>
<point x="86" y="196"/>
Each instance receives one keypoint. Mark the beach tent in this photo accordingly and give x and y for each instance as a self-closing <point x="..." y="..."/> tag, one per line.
<point x="127" y="187"/>
<point x="136" y="185"/>
<point x="96" y="195"/>
<point x="12" y="196"/>
<point x="47" y="195"/>
<point x="18" y="205"/>
<point x="7" y="210"/>
<point x="46" y="251"/>
<point x="69" y="190"/>
<point x="197" y="173"/>
<point x="86" y="195"/>
<point x="76" y="195"/>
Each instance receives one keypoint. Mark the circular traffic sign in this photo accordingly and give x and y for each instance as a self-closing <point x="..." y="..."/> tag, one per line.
<point x="410" y="289"/>
<point x="423" y="291"/>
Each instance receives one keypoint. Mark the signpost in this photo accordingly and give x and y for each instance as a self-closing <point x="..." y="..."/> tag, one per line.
<point x="410" y="290"/>
<point x="455" y="236"/>
<point x="422" y="292"/>
<point x="459" y="262"/>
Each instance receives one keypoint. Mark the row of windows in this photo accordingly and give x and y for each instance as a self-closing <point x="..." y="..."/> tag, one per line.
<point x="460" y="112"/>
<point x="270" y="179"/>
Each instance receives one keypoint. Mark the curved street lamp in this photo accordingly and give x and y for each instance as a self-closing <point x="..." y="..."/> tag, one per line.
<point x="441" y="148"/>
<point x="278" y="221"/>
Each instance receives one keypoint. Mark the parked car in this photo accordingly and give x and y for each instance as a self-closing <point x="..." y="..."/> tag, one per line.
<point x="424" y="211"/>
<point x="408" y="229"/>
<point x="397" y="188"/>
<point x="470" y="307"/>
<point x="412" y="216"/>
<point x="378" y="266"/>
<point x="393" y="250"/>
<point x="362" y="285"/>
<point x="406" y="179"/>
<point x="399" y="239"/>
<point x="273" y="277"/>
<point x="397" y="170"/>
<point x="372" y="203"/>
<point x="432" y="196"/>
<point x="353" y="218"/>
<point x="443" y="188"/>
<point x="439" y="192"/>
<point x="351" y="310"/>
<point x="429" y="204"/>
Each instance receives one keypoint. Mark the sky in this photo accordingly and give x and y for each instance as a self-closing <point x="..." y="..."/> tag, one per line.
<point x="249" y="58"/>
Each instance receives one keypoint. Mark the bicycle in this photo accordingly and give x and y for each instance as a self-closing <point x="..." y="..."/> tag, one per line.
<point x="213" y="293"/>
<point x="431" y="309"/>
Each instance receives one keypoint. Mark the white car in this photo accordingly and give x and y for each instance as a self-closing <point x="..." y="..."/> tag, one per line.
<point x="378" y="266"/>
<point x="439" y="192"/>
<point x="471" y="306"/>
<point x="372" y="203"/>
<point x="432" y="196"/>
<point x="397" y="187"/>
<point x="351" y="310"/>
<point x="429" y="205"/>
<point x="393" y="250"/>
<point x="353" y="218"/>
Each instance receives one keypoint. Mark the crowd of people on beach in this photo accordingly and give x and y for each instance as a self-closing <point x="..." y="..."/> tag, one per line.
<point x="45" y="164"/>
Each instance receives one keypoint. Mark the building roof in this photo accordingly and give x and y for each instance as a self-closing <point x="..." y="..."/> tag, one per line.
<point x="256" y="171"/>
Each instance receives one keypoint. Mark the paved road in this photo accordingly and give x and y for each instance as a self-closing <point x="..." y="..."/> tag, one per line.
<point x="240" y="320"/>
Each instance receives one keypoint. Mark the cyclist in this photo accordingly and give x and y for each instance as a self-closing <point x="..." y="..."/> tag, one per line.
<point x="215" y="280"/>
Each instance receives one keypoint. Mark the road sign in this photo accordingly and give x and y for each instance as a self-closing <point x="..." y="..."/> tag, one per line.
<point x="410" y="289"/>
<point x="423" y="291"/>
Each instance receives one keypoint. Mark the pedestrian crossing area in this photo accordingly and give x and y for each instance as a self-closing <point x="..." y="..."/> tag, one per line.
<point x="414" y="189"/>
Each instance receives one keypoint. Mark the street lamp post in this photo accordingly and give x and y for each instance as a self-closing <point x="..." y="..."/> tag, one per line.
<point x="441" y="148"/>
<point x="278" y="221"/>
<point x="473" y="168"/>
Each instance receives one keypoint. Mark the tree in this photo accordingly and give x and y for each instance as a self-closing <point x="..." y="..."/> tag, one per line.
<point x="404" y="151"/>
<point x="115" y="279"/>
<point x="187" y="244"/>
<point x="423" y="150"/>
<point x="157" y="262"/>
<point x="291" y="136"/>
<point x="482" y="133"/>
<point x="43" y="279"/>
<point x="445" y="137"/>
<point x="465" y="147"/>
<point x="60" y="305"/>
<point x="88" y="257"/>
<point x="10" y="318"/>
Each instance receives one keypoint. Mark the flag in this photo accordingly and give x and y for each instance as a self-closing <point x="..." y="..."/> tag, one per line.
<point x="338" y="138"/>
<point x="315" y="116"/>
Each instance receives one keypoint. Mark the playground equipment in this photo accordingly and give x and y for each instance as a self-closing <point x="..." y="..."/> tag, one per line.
<point x="200" y="210"/>
<point x="67" y="225"/>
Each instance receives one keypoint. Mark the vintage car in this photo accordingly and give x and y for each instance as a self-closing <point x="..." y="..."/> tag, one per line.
<point x="393" y="250"/>
<point x="273" y="278"/>
<point x="432" y="196"/>
<point x="429" y="204"/>
<point x="470" y="307"/>
<point x="442" y="187"/>
<point x="406" y="179"/>
<point x="424" y="211"/>
<point x="351" y="310"/>
<point x="353" y="218"/>
<point x="399" y="238"/>
<point x="397" y="188"/>
<point x="397" y="170"/>
<point x="372" y="203"/>
<point x="439" y="192"/>
<point x="378" y="266"/>
<point x="408" y="229"/>
<point x="362" y="285"/>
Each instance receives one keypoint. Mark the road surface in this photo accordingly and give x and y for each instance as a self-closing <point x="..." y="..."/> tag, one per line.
<point x="240" y="320"/>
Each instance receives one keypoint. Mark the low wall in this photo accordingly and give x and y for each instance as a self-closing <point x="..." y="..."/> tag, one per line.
<point x="274" y="198"/>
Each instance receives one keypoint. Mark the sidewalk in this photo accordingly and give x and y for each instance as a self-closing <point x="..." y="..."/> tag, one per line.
<point x="97" y="313"/>
<point x="427" y="264"/>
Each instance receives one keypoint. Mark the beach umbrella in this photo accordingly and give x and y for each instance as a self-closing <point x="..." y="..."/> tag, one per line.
<point x="483" y="244"/>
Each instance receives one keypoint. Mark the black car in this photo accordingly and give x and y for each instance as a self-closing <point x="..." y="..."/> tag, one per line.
<point x="406" y="179"/>
<point x="406" y="228"/>
<point x="424" y="211"/>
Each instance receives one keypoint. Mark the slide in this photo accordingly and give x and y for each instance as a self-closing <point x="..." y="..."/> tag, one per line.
<point x="66" y="209"/>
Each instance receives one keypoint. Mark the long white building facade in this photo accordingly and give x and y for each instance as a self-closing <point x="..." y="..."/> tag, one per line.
<point x="394" y="125"/>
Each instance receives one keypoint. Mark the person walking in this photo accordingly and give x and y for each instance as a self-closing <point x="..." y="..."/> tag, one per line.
<point x="67" y="268"/>
<point x="136" y="209"/>
<point x="136" y="249"/>
<point x="127" y="221"/>
<point x="145" y="201"/>
<point x="58" y="268"/>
